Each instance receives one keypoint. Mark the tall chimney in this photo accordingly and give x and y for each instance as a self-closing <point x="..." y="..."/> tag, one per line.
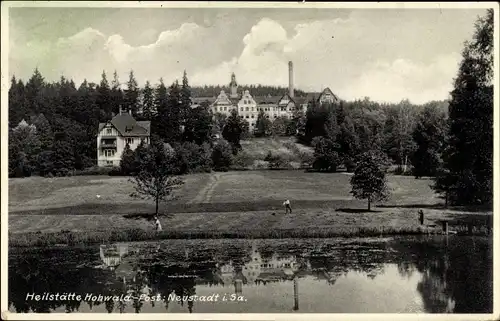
<point x="290" y="79"/>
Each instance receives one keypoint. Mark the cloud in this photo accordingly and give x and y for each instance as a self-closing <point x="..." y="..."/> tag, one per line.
<point x="402" y="78"/>
<point x="343" y="54"/>
<point x="386" y="55"/>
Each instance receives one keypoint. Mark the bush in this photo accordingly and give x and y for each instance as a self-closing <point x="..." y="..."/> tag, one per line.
<point x="326" y="156"/>
<point x="306" y="159"/>
<point x="115" y="171"/>
<point x="192" y="158"/>
<point x="277" y="161"/>
<point x="221" y="156"/>
<point x="94" y="170"/>
<point x="127" y="162"/>
<point x="242" y="161"/>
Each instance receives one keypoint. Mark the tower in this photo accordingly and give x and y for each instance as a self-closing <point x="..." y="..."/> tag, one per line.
<point x="290" y="79"/>
<point x="233" y="87"/>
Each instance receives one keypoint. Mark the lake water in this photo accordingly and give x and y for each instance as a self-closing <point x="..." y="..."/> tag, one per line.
<point x="431" y="274"/>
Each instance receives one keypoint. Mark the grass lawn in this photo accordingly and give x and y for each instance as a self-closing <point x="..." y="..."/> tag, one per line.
<point x="222" y="202"/>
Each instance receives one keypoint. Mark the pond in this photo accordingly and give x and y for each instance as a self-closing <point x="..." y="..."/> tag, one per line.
<point x="424" y="274"/>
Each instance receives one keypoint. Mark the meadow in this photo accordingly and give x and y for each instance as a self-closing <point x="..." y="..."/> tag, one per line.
<point x="230" y="204"/>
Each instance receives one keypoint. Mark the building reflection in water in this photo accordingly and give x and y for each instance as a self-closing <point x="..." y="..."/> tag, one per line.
<point x="258" y="270"/>
<point x="454" y="277"/>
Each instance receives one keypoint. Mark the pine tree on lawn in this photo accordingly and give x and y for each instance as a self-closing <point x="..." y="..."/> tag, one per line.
<point x="369" y="181"/>
<point x="468" y="160"/>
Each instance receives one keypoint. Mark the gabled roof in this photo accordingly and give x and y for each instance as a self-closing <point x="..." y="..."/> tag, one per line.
<point x="329" y="91"/>
<point x="267" y="99"/>
<point x="127" y="126"/>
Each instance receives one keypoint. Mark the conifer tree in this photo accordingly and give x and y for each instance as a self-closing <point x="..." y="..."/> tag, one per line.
<point x="148" y="102"/>
<point x="468" y="160"/>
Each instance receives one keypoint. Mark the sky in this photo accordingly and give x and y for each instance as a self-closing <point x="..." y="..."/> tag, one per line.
<point x="385" y="54"/>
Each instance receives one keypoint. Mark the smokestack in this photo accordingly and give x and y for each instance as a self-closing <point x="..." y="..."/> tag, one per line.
<point x="290" y="79"/>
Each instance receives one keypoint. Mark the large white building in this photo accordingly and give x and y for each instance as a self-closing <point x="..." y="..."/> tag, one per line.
<point x="249" y="106"/>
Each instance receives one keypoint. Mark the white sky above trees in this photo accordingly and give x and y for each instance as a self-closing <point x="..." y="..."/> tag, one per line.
<point x="387" y="55"/>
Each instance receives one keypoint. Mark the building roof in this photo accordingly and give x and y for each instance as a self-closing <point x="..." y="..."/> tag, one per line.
<point x="127" y="126"/>
<point x="267" y="99"/>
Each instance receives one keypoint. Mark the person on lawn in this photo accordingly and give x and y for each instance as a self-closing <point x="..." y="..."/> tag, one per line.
<point x="287" y="206"/>
<point x="157" y="224"/>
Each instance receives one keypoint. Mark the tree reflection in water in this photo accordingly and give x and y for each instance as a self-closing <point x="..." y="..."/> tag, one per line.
<point x="457" y="272"/>
<point x="456" y="276"/>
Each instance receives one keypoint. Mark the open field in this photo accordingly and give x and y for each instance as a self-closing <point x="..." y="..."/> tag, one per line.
<point x="221" y="203"/>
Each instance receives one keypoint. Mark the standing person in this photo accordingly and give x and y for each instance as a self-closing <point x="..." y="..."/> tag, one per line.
<point x="287" y="206"/>
<point x="157" y="224"/>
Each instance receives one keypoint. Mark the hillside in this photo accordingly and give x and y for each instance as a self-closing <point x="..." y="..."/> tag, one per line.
<point x="256" y="149"/>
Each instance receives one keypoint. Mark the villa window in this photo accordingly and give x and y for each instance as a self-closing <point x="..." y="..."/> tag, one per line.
<point x="215" y="108"/>
<point x="109" y="152"/>
<point x="241" y="108"/>
<point x="109" y="163"/>
<point x="109" y="131"/>
<point x="246" y="116"/>
<point x="252" y="108"/>
<point x="225" y="108"/>
<point x="246" y="109"/>
<point x="130" y="141"/>
<point x="252" y="116"/>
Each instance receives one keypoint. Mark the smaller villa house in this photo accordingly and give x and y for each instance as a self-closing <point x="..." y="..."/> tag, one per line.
<point x="114" y="135"/>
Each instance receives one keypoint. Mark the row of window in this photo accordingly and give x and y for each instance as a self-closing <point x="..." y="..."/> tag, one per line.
<point x="128" y="140"/>
<point x="225" y="108"/>
<point x="270" y="265"/>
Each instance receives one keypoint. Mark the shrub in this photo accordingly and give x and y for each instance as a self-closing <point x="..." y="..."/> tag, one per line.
<point x="94" y="170"/>
<point x="326" y="156"/>
<point x="277" y="161"/>
<point x="192" y="158"/>
<point x="115" y="171"/>
<point x="306" y="159"/>
<point x="221" y="156"/>
<point x="242" y="161"/>
<point x="127" y="162"/>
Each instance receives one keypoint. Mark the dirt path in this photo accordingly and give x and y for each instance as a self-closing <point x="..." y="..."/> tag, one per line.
<point x="205" y="194"/>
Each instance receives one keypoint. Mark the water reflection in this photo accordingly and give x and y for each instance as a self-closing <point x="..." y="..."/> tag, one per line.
<point x="430" y="274"/>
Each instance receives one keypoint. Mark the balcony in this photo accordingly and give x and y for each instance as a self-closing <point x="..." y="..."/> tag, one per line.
<point x="108" y="144"/>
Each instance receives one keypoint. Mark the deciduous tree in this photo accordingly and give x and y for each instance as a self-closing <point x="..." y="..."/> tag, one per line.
<point x="369" y="181"/>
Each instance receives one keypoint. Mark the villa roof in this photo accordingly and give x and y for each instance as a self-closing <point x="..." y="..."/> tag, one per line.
<point x="127" y="126"/>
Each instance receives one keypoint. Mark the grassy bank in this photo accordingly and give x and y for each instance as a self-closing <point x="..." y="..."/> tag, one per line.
<point x="132" y="235"/>
<point x="231" y="205"/>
